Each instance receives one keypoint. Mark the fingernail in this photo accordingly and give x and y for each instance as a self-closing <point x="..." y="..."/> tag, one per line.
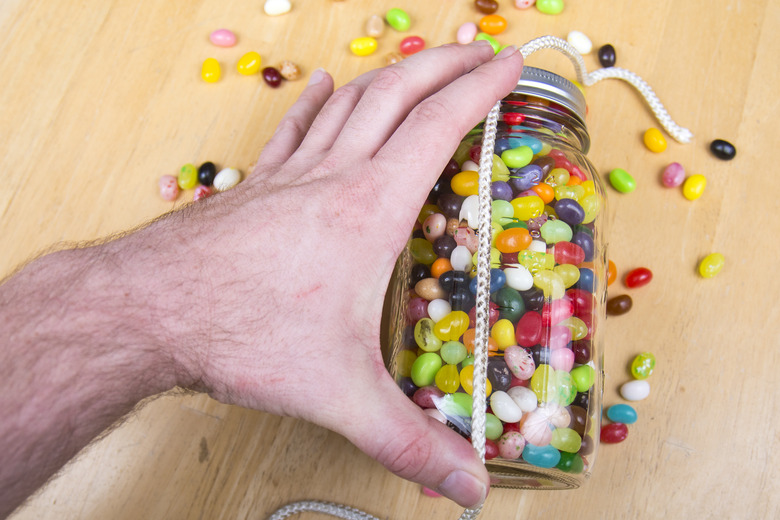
<point x="479" y="43"/>
<point x="464" y="488"/>
<point x="317" y="76"/>
<point x="506" y="52"/>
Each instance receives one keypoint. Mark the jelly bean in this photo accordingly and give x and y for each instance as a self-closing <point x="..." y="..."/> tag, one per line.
<point x="622" y="181"/>
<point x="513" y="240"/>
<point x="206" y="173"/>
<point x="363" y="46"/>
<point x="587" y="280"/>
<point x="622" y="413"/>
<point x="434" y="226"/>
<point x="289" y="70"/>
<point x="277" y="7"/>
<point x="249" y="63"/>
<point x="510" y="303"/>
<point x="550" y="7"/>
<point x="579" y="419"/>
<point x="527" y="208"/>
<point x="420" y="272"/>
<point x="582" y="353"/>
<point x="545" y="192"/>
<point x="425" y="337"/>
<point x="491" y="449"/>
<point x="528" y="331"/>
<point x="568" y="253"/>
<point x="465" y="183"/>
<point x="466" y="33"/>
<point x="571" y="463"/>
<point x="469" y="209"/>
<point x="523" y="397"/>
<point x="566" y="439"/>
<point x="545" y="456"/>
<point x="517" y="157"/>
<point x="607" y="56"/>
<point x="398" y="19"/>
<point x="375" y="26"/>
<point x="452" y="326"/>
<point x="577" y="327"/>
<point x="535" y="428"/>
<point x="493" y="314"/>
<point x="693" y="187"/>
<point x="654" y="140"/>
<point x="711" y="265"/>
<point x="585" y="241"/>
<point x="500" y="190"/>
<point x="429" y="209"/>
<point x="498" y="374"/>
<point x="411" y="45"/>
<point x="227" y="178"/>
<point x="570" y="211"/>
<point x="272" y="77"/>
<point x="580" y="42"/>
<point x="453" y="352"/>
<point x="169" y="188"/>
<point x="437" y="309"/>
<point x="429" y="492"/>
<point x="500" y="171"/>
<point x="223" y="38"/>
<point x="392" y="58"/>
<point x="524" y="4"/>
<point x="554" y="231"/>
<point x="430" y="289"/>
<point x="210" y="71"/>
<point x="201" y="192"/>
<point x="459" y="404"/>
<point x="614" y="433"/>
<point x="510" y="445"/>
<point x="550" y="283"/>
<point x="543" y="382"/>
<point x="493" y="427"/>
<point x="518" y="277"/>
<point x="504" y="333"/>
<point x="466" y="236"/>
<point x="520" y="362"/>
<point x="422" y="251"/>
<point x="467" y="380"/>
<point x="526" y="178"/>
<point x="504" y="407"/>
<point x="562" y="359"/>
<point x="486" y="6"/>
<point x="492" y="24"/>
<point x="425" y="368"/>
<point x="638" y="277"/>
<point x="673" y="175"/>
<point x="611" y="273"/>
<point x="447" y="379"/>
<point x="417" y="309"/>
<point x="618" y="305"/>
<point x="404" y="362"/>
<point x="635" y="390"/>
<point x="188" y="177"/>
<point x="583" y="377"/>
<point x="723" y="149"/>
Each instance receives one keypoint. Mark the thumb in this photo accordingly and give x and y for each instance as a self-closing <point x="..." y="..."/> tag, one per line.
<point x="417" y="447"/>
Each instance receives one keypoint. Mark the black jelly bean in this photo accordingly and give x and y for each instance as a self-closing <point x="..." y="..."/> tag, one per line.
<point x="545" y="163"/>
<point x="533" y="298"/>
<point x="449" y="204"/>
<point x="723" y="149"/>
<point x="582" y="399"/>
<point x="461" y="299"/>
<point x="443" y="185"/>
<point x="206" y="173"/>
<point x="498" y="374"/>
<point x="407" y="386"/>
<point x="452" y="169"/>
<point x="444" y="245"/>
<point x="607" y="56"/>
<point x="541" y="355"/>
<point x="420" y="272"/>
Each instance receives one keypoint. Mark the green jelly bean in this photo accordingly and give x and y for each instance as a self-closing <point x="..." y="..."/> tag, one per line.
<point x="492" y="41"/>
<point x="516" y="224"/>
<point x="566" y="439"/>
<point x="398" y="19"/>
<point x="468" y="361"/>
<point x="566" y="389"/>
<point x="642" y="365"/>
<point x="503" y="212"/>
<point x="550" y="6"/>
<point x="453" y="352"/>
<point x="571" y="463"/>
<point x="500" y="172"/>
<point x="425" y="337"/>
<point x="622" y="181"/>
<point x="458" y="403"/>
<point x="554" y="231"/>
<point x="424" y="369"/>
<point x="422" y="251"/>
<point x="510" y="304"/>
<point x="584" y="377"/>
<point x="517" y="157"/>
<point x="493" y="427"/>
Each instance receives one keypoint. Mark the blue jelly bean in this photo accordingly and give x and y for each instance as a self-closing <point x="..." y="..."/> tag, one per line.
<point x="497" y="281"/>
<point x="502" y="191"/>
<point x="502" y="145"/>
<point x="526" y="140"/>
<point x="587" y="280"/>
<point x="622" y="413"/>
<point x="542" y="456"/>
<point x="585" y="241"/>
<point x="570" y="211"/>
<point x="525" y="178"/>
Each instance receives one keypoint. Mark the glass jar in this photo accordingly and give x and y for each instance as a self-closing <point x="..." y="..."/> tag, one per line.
<point x="548" y="292"/>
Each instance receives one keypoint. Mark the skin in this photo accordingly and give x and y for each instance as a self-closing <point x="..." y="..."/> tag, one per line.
<point x="88" y="333"/>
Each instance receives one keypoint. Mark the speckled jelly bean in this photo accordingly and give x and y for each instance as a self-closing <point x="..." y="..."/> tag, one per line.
<point x="425" y="368"/>
<point x="654" y="140"/>
<point x="635" y="390"/>
<point x="411" y="45"/>
<point x="618" y="305"/>
<point x="642" y="366"/>
<point x="673" y="175"/>
<point x="511" y="445"/>
<point x="201" y="192"/>
<point x="398" y="19"/>
<point x="188" y="177"/>
<point x="210" y="71"/>
<point x="289" y="70"/>
<point x="614" y="433"/>
<point x="425" y="337"/>
<point x="466" y="33"/>
<point x="429" y="289"/>
<point x="723" y="149"/>
<point x="249" y="63"/>
<point x="607" y="55"/>
<point x="524" y="4"/>
<point x="492" y="24"/>
<point x="223" y="38"/>
<point x="711" y="265"/>
<point x="622" y="181"/>
<point x="550" y="6"/>
<point x="169" y="187"/>
<point x="375" y="26"/>
<point x="580" y="42"/>
<point x="622" y="413"/>
<point x="363" y="46"/>
<point x="693" y="187"/>
<point x="486" y="6"/>
<point x="541" y="456"/>
<point x="272" y="77"/>
<point x="638" y="277"/>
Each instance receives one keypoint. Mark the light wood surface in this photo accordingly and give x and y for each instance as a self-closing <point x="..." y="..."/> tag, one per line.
<point x="101" y="97"/>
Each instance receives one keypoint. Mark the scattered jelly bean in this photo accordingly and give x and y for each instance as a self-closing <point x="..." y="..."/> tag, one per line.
<point x="392" y="58"/>
<point x="541" y="456"/>
<point x="486" y="6"/>
<point x="249" y="63"/>
<point x="206" y="173"/>
<point x="398" y="19"/>
<point x="673" y="175"/>
<point x="723" y="149"/>
<point x="654" y="140"/>
<point x="466" y="33"/>
<point x="223" y="38"/>
<point x="210" y="71"/>
<point x="188" y="177"/>
<point x="618" y="305"/>
<point x="277" y="7"/>
<point x="510" y="445"/>
<point x="614" y="433"/>
<point x="425" y="368"/>
<point x="711" y="265"/>
<point x="169" y="187"/>
<point x="607" y="56"/>
<point x="642" y="366"/>
<point x="375" y="26"/>
<point x="635" y="390"/>
<point x="550" y="6"/>
<point x="492" y="41"/>
<point x="524" y="4"/>
<point x="622" y="181"/>
<point x="289" y="70"/>
<point x="638" y="277"/>
<point x="226" y="179"/>
<point x="411" y="45"/>
<point x="431" y="493"/>
<point x="622" y="413"/>
<point x="693" y="187"/>
<point x="492" y="24"/>
<point x="580" y="42"/>
<point x="363" y="46"/>
<point x="272" y="77"/>
<point x="611" y="273"/>
<point x="201" y="192"/>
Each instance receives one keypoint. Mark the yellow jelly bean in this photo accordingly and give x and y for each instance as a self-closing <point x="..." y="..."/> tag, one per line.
<point x="210" y="71"/>
<point x="694" y="186"/>
<point x="557" y="177"/>
<point x="503" y="332"/>
<point x="589" y="187"/>
<point x="467" y="381"/>
<point x="536" y="261"/>
<point x="452" y="326"/>
<point x="447" y="379"/>
<point x="550" y="283"/>
<point x="363" y="46"/>
<point x="655" y="140"/>
<point x="426" y="211"/>
<point x="500" y="172"/>
<point x="577" y="327"/>
<point x="546" y="147"/>
<point x="404" y="362"/>
<point x="249" y="63"/>
<point x="591" y="204"/>
<point x="465" y="183"/>
<point x="711" y="265"/>
<point x="568" y="273"/>
<point x="527" y="208"/>
<point x="569" y="192"/>
<point x="495" y="260"/>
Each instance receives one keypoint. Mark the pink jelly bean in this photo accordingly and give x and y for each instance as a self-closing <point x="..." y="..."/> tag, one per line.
<point x="520" y="362"/>
<point x="430" y="493"/>
<point x="169" y="187"/>
<point x="562" y="359"/>
<point x="223" y="38"/>
<point x="510" y="445"/>
<point x="411" y="45"/>
<point x="524" y="4"/>
<point x="673" y="175"/>
<point x="557" y="337"/>
<point x="557" y="311"/>
<point x="201" y="192"/>
<point x="467" y="32"/>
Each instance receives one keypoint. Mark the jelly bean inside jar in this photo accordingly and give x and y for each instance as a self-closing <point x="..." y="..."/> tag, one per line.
<point x="544" y="373"/>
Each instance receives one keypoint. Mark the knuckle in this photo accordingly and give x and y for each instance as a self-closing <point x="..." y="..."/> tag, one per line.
<point x="390" y="79"/>
<point x="406" y="457"/>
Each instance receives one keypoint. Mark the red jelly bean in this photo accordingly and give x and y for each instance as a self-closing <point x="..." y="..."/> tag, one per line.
<point x="411" y="45"/>
<point x="568" y="253"/>
<point x="491" y="449"/>
<point x="474" y="153"/>
<point x="528" y="332"/>
<point x="582" y="301"/>
<point x="638" y="277"/>
<point x="512" y="427"/>
<point x="514" y="118"/>
<point x="614" y="433"/>
<point x="493" y="314"/>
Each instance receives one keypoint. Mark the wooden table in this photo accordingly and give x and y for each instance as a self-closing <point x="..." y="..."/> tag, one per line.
<point x="101" y="98"/>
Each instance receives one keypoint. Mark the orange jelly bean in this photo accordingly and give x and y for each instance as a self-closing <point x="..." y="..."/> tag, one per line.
<point x="513" y="240"/>
<point x="545" y="192"/>
<point x="574" y="181"/>
<point x="468" y="340"/>
<point x="611" y="273"/>
<point x="492" y="24"/>
<point x="440" y="266"/>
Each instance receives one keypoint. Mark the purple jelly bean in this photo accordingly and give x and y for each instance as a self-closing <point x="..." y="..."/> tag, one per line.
<point x="525" y="178"/>
<point x="585" y="241"/>
<point x="501" y="190"/>
<point x="570" y="211"/>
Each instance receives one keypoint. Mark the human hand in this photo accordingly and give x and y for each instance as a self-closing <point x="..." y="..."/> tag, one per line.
<point x="285" y="275"/>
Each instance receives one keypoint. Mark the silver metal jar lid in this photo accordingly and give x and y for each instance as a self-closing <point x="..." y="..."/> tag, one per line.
<point x="546" y="85"/>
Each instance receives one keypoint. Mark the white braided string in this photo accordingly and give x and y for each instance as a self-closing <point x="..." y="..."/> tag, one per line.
<point x="326" y="508"/>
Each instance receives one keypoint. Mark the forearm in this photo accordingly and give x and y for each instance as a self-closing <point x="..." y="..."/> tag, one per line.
<point x="79" y="350"/>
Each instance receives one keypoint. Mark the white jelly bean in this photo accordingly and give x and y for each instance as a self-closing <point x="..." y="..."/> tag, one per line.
<point x="461" y="259"/>
<point x="469" y="166"/>
<point x="580" y="41"/>
<point x="227" y="179"/>
<point x="635" y="390"/>
<point x="438" y="308"/>
<point x="277" y="7"/>
<point x="469" y="211"/>
<point x="540" y="246"/>
<point x="524" y="398"/>
<point x="467" y="32"/>
<point x="518" y="277"/>
<point x="504" y="407"/>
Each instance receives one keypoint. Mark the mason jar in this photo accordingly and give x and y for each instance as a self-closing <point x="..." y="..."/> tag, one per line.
<point x="548" y="292"/>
